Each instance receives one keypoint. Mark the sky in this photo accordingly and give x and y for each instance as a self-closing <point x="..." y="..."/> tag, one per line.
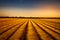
<point x="30" y="8"/>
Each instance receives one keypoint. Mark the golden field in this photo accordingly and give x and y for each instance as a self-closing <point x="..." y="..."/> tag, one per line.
<point x="29" y="29"/>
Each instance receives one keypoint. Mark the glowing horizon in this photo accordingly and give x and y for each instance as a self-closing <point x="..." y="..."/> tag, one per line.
<point x="46" y="11"/>
<point x="42" y="9"/>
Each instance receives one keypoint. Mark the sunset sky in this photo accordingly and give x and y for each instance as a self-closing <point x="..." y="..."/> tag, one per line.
<point x="30" y="8"/>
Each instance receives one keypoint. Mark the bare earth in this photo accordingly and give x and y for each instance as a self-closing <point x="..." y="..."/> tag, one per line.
<point x="29" y="29"/>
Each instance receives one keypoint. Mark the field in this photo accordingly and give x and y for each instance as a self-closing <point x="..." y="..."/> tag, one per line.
<point x="29" y="29"/>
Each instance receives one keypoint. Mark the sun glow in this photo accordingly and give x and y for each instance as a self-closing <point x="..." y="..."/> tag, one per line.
<point x="39" y="11"/>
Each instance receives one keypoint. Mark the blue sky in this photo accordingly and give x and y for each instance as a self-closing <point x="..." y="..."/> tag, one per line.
<point x="25" y="3"/>
<point x="33" y="8"/>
